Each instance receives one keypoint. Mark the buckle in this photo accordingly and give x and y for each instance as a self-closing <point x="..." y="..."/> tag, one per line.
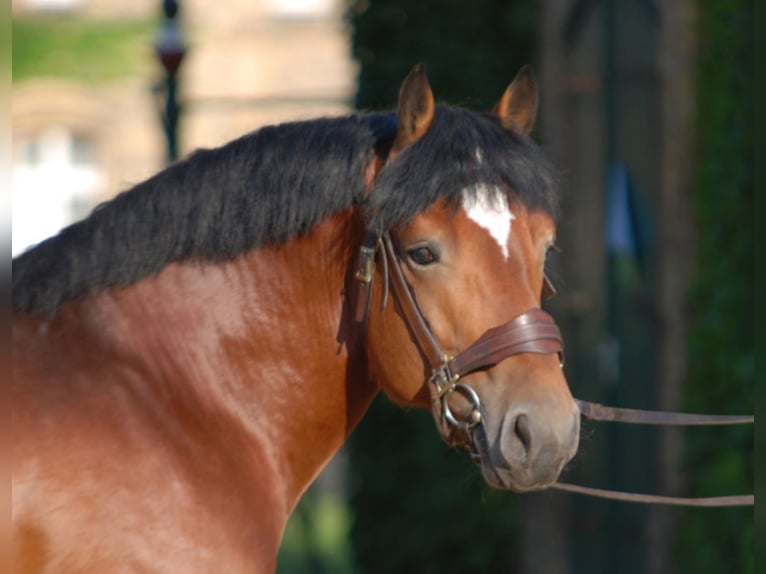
<point x="443" y="379"/>
<point x="365" y="266"/>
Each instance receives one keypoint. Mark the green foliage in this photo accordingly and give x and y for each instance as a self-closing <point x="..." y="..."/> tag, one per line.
<point x="422" y="507"/>
<point x="419" y="506"/>
<point x="316" y="536"/>
<point x="92" y="51"/>
<point x="5" y="45"/>
<point x="721" y="343"/>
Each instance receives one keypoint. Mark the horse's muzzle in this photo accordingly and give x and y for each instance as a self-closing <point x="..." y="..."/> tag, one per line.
<point x="530" y="448"/>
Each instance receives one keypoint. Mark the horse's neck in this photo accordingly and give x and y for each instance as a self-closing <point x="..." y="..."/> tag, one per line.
<point x="253" y="343"/>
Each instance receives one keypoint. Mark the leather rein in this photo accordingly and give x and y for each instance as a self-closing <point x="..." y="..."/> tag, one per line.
<point x="534" y="331"/>
<point x="597" y="412"/>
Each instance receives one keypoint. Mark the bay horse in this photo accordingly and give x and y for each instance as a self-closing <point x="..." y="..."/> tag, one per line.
<point x="188" y="357"/>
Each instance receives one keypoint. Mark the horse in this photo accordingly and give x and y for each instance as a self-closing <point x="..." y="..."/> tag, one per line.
<point x="188" y="357"/>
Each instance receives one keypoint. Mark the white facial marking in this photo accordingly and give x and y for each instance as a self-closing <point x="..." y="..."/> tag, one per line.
<point x="488" y="207"/>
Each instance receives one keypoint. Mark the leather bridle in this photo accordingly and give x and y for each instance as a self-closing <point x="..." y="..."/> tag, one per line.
<point x="534" y="331"/>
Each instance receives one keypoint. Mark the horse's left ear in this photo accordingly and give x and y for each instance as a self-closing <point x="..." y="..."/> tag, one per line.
<point x="416" y="108"/>
<point x="517" y="108"/>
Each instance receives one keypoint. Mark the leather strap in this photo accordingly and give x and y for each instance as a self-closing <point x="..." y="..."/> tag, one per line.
<point x="736" y="500"/>
<point x="364" y="276"/>
<point x="409" y="307"/>
<point x="597" y="412"/>
<point x="533" y="332"/>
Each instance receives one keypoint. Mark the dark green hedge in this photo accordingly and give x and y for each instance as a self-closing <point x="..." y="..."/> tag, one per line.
<point x="471" y="48"/>
<point x="721" y="335"/>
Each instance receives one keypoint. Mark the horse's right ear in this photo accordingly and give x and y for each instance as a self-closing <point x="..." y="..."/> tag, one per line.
<point x="416" y="108"/>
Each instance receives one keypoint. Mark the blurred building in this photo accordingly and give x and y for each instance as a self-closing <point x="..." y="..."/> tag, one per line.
<point x="249" y="63"/>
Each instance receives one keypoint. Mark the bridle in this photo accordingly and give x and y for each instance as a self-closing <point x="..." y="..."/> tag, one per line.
<point x="534" y="331"/>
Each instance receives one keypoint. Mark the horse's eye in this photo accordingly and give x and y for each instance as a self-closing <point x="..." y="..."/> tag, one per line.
<point x="422" y="256"/>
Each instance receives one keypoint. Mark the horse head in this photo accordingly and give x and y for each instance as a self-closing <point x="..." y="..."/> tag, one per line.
<point x="465" y="248"/>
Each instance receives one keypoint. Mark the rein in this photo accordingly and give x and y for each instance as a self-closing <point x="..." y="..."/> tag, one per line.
<point x="534" y="331"/>
<point x="597" y="412"/>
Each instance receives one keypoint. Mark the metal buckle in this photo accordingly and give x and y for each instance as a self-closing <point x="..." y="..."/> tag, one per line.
<point x="443" y="379"/>
<point x="365" y="264"/>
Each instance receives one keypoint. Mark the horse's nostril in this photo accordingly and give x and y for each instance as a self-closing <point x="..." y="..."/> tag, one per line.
<point x="521" y="429"/>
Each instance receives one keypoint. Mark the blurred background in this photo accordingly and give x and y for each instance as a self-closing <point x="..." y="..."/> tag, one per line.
<point x="647" y="109"/>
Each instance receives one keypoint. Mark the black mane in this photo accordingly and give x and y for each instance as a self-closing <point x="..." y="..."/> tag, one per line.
<point x="269" y="186"/>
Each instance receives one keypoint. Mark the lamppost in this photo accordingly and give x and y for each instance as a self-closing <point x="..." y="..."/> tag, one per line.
<point x="170" y="49"/>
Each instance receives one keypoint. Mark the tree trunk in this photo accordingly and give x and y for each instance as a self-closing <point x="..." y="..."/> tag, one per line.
<point x="677" y="68"/>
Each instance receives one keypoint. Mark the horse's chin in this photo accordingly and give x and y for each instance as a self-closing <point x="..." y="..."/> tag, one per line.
<point x="498" y="474"/>
<point x="504" y="479"/>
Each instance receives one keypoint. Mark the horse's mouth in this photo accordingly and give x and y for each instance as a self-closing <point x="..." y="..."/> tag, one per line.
<point x="504" y="478"/>
<point x="499" y="474"/>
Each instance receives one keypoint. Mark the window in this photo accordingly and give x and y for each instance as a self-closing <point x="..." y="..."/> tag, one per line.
<point x="300" y="8"/>
<point x="51" y="5"/>
<point x="56" y="180"/>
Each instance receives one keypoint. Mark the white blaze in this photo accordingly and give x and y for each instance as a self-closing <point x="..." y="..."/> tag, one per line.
<point x="488" y="207"/>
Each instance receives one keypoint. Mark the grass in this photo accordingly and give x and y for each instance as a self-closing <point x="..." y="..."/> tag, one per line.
<point x="91" y="51"/>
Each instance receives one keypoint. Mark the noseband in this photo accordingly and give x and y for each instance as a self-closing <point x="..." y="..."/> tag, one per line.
<point x="532" y="332"/>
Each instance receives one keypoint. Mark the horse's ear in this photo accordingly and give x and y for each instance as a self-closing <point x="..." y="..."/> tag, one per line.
<point x="416" y="108"/>
<point x="517" y="108"/>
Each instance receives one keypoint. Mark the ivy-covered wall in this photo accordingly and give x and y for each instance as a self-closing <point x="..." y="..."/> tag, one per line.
<point x="721" y="377"/>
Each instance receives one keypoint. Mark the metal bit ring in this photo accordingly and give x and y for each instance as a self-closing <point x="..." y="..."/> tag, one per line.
<point x="472" y="397"/>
